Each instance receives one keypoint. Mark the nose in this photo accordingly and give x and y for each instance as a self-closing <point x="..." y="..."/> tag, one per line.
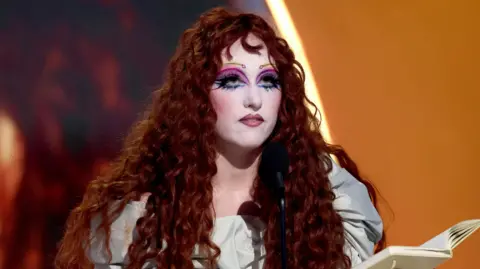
<point x="253" y="98"/>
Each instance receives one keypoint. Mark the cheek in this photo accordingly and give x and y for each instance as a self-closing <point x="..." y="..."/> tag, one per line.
<point x="278" y="100"/>
<point x="274" y="105"/>
<point x="218" y="102"/>
<point x="223" y="102"/>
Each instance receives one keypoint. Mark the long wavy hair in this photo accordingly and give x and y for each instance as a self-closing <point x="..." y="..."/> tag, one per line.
<point x="170" y="153"/>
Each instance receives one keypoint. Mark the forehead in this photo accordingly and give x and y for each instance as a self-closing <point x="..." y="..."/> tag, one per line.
<point x="239" y="54"/>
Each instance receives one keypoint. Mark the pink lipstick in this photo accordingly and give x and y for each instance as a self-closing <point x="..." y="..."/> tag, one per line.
<point x="252" y="120"/>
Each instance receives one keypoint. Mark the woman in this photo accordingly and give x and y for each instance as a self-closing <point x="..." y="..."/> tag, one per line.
<point x="184" y="192"/>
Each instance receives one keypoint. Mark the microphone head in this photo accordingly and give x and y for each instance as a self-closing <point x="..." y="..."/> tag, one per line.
<point x="274" y="161"/>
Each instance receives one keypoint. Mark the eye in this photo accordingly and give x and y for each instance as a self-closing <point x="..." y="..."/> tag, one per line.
<point x="270" y="81"/>
<point x="229" y="81"/>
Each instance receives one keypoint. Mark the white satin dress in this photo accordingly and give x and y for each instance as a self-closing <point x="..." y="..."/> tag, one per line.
<point x="240" y="237"/>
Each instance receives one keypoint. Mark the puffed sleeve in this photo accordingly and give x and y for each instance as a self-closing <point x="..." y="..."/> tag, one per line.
<point x="122" y="232"/>
<point x="362" y="223"/>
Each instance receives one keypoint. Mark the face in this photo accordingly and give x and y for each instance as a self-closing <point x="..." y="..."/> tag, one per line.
<point x="246" y="96"/>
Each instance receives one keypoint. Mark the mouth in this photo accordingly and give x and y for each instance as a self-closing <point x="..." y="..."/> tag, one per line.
<point x="252" y="120"/>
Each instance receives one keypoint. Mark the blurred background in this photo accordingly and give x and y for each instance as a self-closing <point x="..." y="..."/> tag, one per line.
<point x="398" y="83"/>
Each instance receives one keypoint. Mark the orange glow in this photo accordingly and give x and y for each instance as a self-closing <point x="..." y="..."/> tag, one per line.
<point x="11" y="169"/>
<point x="11" y="156"/>
<point x="287" y="29"/>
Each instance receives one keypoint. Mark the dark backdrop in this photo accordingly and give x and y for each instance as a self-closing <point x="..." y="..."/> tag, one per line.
<point x="74" y="75"/>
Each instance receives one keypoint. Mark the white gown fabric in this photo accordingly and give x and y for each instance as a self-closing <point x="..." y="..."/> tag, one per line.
<point x="240" y="237"/>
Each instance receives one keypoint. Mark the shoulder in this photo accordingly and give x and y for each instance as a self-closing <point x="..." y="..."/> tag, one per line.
<point x="361" y="220"/>
<point x="122" y="231"/>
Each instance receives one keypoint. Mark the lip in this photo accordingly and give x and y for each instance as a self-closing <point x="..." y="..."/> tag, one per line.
<point x="252" y="120"/>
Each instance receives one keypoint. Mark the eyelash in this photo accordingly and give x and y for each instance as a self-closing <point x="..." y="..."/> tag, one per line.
<point x="225" y="81"/>
<point x="268" y="81"/>
<point x="272" y="81"/>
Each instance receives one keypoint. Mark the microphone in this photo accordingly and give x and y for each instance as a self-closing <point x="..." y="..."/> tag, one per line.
<point x="273" y="167"/>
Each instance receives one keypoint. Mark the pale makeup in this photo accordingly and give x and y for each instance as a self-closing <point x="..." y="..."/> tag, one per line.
<point x="247" y="85"/>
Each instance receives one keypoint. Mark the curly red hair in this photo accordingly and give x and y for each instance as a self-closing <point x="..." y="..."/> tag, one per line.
<point x="170" y="153"/>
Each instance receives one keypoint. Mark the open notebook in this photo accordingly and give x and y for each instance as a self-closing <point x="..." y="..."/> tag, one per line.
<point x="427" y="256"/>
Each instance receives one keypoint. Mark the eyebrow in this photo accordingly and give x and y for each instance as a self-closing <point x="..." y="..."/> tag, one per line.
<point x="235" y="63"/>
<point x="266" y="65"/>
<point x="244" y="66"/>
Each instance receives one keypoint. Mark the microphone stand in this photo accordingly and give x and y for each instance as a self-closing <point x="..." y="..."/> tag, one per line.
<point x="281" y="204"/>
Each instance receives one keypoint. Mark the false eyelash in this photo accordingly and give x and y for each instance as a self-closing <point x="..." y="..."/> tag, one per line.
<point x="227" y="77"/>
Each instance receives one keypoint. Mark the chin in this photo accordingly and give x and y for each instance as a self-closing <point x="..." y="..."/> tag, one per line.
<point x="250" y="144"/>
<point x="243" y="142"/>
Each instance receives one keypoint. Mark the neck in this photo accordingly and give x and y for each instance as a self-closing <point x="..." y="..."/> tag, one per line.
<point x="236" y="168"/>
